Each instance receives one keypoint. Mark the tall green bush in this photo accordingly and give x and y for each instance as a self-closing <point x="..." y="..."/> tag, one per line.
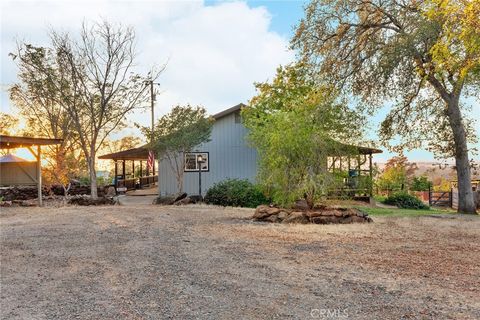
<point x="235" y="193"/>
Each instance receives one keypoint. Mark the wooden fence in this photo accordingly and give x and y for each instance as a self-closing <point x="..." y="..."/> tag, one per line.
<point x="440" y="198"/>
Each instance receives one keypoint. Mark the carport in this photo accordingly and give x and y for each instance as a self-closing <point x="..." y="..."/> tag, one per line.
<point x="34" y="146"/>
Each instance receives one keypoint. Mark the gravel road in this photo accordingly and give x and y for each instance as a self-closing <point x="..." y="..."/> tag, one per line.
<point x="199" y="262"/>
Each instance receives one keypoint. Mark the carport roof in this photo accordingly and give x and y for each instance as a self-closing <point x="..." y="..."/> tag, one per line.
<point x="12" y="142"/>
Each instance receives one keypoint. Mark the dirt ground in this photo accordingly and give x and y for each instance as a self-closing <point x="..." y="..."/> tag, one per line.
<point x="150" y="262"/>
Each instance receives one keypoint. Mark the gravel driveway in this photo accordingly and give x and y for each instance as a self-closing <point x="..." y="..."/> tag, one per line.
<point x="150" y="262"/>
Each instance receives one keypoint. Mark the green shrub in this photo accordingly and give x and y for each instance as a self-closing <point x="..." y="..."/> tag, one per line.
<point x="236" y="193"/>
<point x="405" y="201"/>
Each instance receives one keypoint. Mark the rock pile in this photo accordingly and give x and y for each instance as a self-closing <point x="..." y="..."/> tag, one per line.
<point x="31" y="192"/>
<point x="323" y="215"/>
<point x="22" y="192"/>
<point x="85" y="200"/>
<point x="178" y="199"/>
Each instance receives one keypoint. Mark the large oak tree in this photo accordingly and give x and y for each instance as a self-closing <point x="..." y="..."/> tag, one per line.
<point x="423" y="56"/>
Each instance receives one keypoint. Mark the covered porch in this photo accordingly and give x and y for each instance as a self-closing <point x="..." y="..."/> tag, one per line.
<point x="131" y="169"/>
<point x="352" y="166"/>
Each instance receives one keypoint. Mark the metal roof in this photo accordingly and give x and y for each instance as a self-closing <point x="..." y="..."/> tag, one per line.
<point x="140" y="153"/>
<point x="12" y="142"/>
<point x="11" y="158"/>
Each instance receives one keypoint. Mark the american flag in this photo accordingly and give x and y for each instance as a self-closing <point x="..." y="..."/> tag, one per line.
<point x="150" y="160"/>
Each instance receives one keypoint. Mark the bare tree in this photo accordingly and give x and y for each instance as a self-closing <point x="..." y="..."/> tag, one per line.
<point x="104" y="88"/>
<point x="90" y="81"/>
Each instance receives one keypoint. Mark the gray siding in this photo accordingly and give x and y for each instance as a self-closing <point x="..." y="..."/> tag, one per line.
<point x="230" y="157"/>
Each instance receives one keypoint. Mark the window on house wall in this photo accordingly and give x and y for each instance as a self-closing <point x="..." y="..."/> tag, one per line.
<point x="191" y="162"/>
<point x="238" y="117"/>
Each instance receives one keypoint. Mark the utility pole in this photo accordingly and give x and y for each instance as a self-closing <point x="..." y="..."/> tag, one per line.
<point x="152" y="104"/>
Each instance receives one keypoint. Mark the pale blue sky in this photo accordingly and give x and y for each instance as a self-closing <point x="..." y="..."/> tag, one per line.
<point x="216" y="50"/>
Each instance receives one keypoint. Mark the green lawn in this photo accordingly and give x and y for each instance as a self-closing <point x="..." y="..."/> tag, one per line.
<point x="404" y="212"/>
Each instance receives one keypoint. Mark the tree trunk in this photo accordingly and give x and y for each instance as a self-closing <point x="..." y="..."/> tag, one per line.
<point x="466" y="202"/>
<point x="93" y="177"/>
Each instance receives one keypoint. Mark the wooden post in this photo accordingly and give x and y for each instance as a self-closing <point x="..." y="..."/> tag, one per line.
<point x="123" y="171"/>
<point x="133" y="168"/>
<point x="39" y="176"/>
<point x="116" y="175"/>
<point x="429" y="196"/>
<point x="371" y="173"/>
<point x="141" y="169"/>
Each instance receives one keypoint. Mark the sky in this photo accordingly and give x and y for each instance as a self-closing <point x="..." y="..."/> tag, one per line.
<point x="215" y="50"/>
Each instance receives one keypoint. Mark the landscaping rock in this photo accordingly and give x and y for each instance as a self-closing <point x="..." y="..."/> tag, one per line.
<point x="282" y="215"/>
<point x="296" y="217"/>
<point x="84" y="200"/>
<point x="195" y="198"/>
<point x="110" y="192"/>
<point x="183" y="201"/>
<point x="261" y="212"/>
<point x="319" y="215"/>
<point x="5" y="203"/>
<point x="301" y="205"/>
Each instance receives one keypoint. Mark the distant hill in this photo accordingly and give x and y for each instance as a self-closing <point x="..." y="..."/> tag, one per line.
<point x="435" y="171"/>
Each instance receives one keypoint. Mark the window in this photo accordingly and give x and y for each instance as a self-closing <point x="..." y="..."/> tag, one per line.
<point x="191" y="161"/>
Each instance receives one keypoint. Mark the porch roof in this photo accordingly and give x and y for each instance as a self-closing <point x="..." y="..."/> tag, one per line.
<point x="140" y="153"/>
<point x="12" y="142"/>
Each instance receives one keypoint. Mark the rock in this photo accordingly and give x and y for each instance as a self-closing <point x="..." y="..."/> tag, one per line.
<point x="272" y="218"/>
<point x="301" y="205"/>
<point x="179" y="196"/>
<point x="261" y="212"/>
<point x="311" y="214"/>
<point x="338" y="213"/>
<point x="5" y="203"/>
<point x="164" y="200"/>
<point x="84" y="200"/>
<point x="282" y="215"/>
<point x="195" y="198"/>
<point x="272" y="210"/>
<point x="183" y="201"/>
<point x="296" y="217"/>
<point x="325" y="219"/>
<point x="110" y="192"/>
<point x="29" y="203"/>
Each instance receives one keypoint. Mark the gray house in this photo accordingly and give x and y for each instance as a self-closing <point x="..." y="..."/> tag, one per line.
<point x="226" y="155"/>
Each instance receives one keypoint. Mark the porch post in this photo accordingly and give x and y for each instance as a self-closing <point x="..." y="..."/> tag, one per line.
<point x="123" y="171"/>
<point x="371" y="173"/>
<point x="116" y="175"/>
<point x="39" y="176"/>
<point x="141" y="169"/>
<point x="133" y="168"/>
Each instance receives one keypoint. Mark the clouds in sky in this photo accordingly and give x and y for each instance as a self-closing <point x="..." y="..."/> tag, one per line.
<point x="214" y="53"/>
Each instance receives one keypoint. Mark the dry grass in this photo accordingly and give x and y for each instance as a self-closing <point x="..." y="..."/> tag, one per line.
<point x="208" y="262"/>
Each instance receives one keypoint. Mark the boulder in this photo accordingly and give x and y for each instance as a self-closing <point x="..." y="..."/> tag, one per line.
<point x="170" y="199"/>
<point x="272" y="210"/>
<point x="282" y="215"/>
<point x="5" y="203"/>
<point x="272" y="218"/>
<point x="261" y="212"/>
<point x="296" y="217"/>
<point x="324" y="219"/>
<point x="179" y="196"/>
<point x="301" y="205"/>
<point x="195" y="198"/>
<point x="183" y="201"/>
<point x="110" y="192"/>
